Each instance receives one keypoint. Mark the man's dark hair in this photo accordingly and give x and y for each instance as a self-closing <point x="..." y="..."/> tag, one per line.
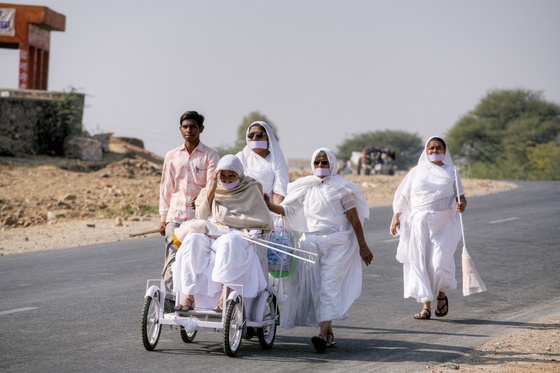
<point x="198" y="118"/>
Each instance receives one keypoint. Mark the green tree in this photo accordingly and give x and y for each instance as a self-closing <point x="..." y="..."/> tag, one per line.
<point x="545" y="161"/>
<point x="408" y="146"/>
<point x="240" y="141"/>
<point x="496" y="139"/>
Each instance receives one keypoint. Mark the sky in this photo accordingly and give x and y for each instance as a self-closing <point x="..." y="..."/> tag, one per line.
<point x="322" y="71"/>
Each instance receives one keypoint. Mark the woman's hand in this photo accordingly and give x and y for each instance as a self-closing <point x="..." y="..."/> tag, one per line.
<point x="462" y="204"/>
<point x="395" y="224"/>
<point x="366" y="254"/>
<point x="213" y="182"/>
<point x="277" y="209"/>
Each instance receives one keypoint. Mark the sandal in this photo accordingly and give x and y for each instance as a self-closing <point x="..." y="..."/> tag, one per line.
<point x="332" y="342"/>
<point x="186" y="307"/>
<point x="425" y="314"/>
<point x="320" y="343"/>
<point x="439" y="310"/>
<point x="220" y="306"/>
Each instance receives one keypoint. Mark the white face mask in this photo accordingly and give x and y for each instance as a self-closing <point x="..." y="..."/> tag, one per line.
<point x="258" y="144"/>
<point x="322" y="171"/>
<point x="436" y="157"/>
<point x="230" y="186"/>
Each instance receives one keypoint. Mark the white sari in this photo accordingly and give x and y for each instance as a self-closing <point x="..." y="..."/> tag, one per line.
<point x="429" y="228"/>
<point x="326" y="289"/>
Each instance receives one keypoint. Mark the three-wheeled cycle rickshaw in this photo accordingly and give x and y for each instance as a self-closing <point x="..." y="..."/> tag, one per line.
<point x="239" y="313"/>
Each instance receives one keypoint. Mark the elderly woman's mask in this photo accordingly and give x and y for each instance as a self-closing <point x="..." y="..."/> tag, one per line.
<point x="230" y="186"/>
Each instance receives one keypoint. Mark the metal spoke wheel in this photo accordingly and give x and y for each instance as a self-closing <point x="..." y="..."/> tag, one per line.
<point x="151" y="328"/>
<point x="267" y="333"/>
<point x="233" y="327"/>
<point x="186" y="336"/>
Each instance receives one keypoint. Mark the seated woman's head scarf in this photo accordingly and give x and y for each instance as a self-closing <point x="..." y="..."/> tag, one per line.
<point x="243" y="206"/>
<point x="230" y="162"/>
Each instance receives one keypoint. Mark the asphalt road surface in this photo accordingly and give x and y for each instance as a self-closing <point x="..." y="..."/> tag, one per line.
<point x="78" y="310"/>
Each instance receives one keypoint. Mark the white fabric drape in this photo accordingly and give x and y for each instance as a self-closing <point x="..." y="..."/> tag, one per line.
<point x="193" y="267"/>
<point x="429" y="228"/>
<point x="238" y="263"/>
<point x="326" y="289"/>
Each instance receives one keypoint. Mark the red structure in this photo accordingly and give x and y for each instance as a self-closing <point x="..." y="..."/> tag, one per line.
<point x="28" y="28"/>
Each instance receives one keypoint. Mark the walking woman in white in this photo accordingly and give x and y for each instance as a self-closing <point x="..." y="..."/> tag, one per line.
<point x="425" y="216"/>
<point x="214" y="253"/>
<point x="264" y="161"/>
<point x="329" y="211"/>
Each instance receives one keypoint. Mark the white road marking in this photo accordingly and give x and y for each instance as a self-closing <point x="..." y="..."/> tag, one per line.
<point x="503" y="220"/>
<point x="17" y="310"/>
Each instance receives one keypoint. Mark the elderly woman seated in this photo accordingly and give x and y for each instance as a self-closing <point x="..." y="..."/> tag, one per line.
<point x="213" y="252"/>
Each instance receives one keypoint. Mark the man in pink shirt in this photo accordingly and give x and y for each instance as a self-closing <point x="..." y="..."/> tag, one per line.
<point x="185" y="171"/>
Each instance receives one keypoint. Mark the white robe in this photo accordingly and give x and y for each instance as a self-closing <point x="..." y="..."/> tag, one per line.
<point x="326" y="289"/>
<point x="429" y="229"/>
<point x="193" y="267"/>
<point x="238" y="265"/>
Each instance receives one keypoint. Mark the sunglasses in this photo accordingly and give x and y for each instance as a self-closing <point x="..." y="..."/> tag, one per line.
<point x="259" y="135"/>
<point x="323" y="162"/>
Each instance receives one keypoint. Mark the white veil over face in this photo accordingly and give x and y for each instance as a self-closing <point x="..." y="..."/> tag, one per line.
<point x="333" y="165"/>
<point x="424" y="156"/>
<point x="255" y="164"/>
<point x="276" y="154"/>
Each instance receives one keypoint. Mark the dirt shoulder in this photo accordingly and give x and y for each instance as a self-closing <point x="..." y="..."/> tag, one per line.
<point x="535" y="349"/>
<point x="51" y="203"/>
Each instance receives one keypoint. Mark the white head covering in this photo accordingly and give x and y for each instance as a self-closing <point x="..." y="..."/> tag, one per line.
<point x="440" y="181"/>
<point x="231" y="163"/>
<point x="424" y="156"/>
<point x="330" y="156"/>
<point x="252" y="160"/>
<point x="299" y="188"/>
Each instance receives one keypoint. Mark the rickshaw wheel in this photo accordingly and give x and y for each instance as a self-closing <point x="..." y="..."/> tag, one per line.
<point x="233" y="327"/>
<point x="151" y="328"/>
<point x="267" y="333"/>
<point x="187" y="337"/>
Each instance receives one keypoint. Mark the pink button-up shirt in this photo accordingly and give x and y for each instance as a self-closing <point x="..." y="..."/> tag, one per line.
<point x="182" y="178"/>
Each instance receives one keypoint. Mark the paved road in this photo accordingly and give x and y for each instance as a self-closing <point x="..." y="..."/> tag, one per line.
<point x="78" y="310"/>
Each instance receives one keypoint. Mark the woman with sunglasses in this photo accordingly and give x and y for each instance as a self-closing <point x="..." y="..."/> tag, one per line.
<point x="213" y="253"/>
<point x="264" y="161"/>
<point x="328" y="210"/>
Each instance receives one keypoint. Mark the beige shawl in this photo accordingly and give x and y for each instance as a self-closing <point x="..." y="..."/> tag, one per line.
<point x="242" y="207"/>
